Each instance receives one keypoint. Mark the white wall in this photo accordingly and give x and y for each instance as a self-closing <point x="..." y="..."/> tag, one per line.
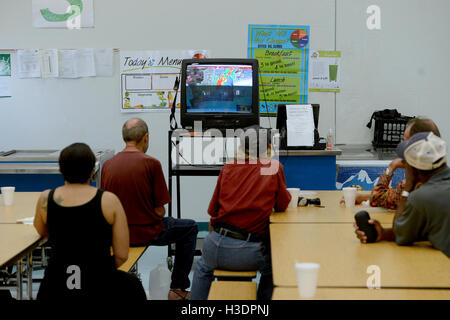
<point x="402" y="65"/>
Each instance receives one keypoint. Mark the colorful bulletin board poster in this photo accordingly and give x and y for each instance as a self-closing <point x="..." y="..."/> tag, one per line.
<point x="5" y="75"/>
<point x="282" y="52"/>
<point x="147" y="78"/>
<point x="324" y="71"/>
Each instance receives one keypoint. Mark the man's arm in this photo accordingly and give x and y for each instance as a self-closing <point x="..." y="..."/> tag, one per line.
<point x="213" y="207"/>
<point x="160" y="193"/>
<point x="382" y="195"/>
<point x="409" y="220"/>
<point x="410" y="185"/>
<point x="160" y="211"/>
<point x="283" y="196"/>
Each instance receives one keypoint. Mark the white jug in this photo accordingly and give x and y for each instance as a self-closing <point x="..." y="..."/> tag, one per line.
<point x="159" y="284"/>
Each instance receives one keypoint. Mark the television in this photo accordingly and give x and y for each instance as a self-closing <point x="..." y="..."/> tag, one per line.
<point x="221" y="93"/>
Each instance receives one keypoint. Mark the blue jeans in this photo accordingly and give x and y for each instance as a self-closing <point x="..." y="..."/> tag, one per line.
<point x="182" y="232"/>
<point x="222" y="252"/>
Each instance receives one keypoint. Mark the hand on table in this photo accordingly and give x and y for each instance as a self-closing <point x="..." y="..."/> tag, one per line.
<point x="362" y="236"/>
<point x="359" y="198"/>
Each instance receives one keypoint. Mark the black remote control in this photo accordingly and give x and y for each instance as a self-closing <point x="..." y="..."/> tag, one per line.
<point x="362" y="220"/>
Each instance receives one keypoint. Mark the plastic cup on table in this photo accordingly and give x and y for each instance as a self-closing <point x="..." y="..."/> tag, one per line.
<point x="307" y="274"/>
<point x="8" y="195"/>
<point x="295" y="193"/>
<point x="349" y="196"/>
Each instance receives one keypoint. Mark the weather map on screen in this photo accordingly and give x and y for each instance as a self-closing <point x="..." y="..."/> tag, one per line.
<point x="219" y="88"/>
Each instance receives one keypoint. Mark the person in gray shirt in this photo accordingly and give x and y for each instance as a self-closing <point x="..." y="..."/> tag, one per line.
<point x="423" y="213"/>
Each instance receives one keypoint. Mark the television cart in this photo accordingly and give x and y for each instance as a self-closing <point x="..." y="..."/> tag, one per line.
<point x="176" y="170"/>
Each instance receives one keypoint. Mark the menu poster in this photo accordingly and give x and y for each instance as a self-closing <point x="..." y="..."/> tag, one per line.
<point x="283" y="53"/>
<point x="147" y="78"/>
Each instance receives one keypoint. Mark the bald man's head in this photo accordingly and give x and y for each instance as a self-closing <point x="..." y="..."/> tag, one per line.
<point x="134" y="130"/>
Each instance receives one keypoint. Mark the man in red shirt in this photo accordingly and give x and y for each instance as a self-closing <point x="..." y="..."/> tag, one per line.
<point x="138" y="180"/>
<point x="241" y="205"/>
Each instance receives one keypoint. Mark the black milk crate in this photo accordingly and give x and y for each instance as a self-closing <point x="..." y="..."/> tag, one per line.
<point x="388" y="133"/>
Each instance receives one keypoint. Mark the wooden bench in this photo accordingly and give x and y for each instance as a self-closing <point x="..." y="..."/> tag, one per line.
<point x="228" y="275"/>
<point x="133" y="256"/>
<point x="232" y="290"/>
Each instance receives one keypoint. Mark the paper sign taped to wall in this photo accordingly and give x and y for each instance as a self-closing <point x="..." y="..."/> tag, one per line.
<point x="300" y="125"/>
<point x="28" y="63"/>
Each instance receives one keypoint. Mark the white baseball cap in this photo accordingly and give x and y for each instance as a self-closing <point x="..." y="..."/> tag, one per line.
<point x="423" y="151"/>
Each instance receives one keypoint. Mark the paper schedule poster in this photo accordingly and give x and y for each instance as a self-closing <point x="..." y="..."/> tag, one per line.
<point x="48" y="59"/>
<point x="65" y="63"/>
<point x="71" y="14"/>
<point x="147" y="78"/>
<point x="283" y="53"/>
<point x="104" y="62"/>
<point x="324" y="73"/>
<point x="28" y="63"/>
<point x="77" y="63"/>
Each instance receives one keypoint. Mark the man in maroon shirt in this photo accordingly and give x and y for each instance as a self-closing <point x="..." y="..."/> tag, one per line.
<point x="240" y="209"/>
<point x="138" y="180"/>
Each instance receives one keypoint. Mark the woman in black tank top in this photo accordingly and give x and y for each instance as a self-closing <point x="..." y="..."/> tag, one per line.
<point x="80" y="234"/>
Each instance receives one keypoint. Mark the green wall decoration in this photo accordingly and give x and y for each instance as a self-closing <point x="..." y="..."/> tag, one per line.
<point x="76" y="7"/>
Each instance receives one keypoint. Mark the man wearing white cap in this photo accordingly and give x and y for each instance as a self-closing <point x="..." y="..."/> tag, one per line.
<point x="423" y="213"/>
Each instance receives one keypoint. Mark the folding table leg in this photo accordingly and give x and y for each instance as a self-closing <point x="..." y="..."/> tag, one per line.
<point x="30" y="276"/>
<point x="19" y="279"/>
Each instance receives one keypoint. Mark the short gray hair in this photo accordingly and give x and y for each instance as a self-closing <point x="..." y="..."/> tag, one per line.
<point x="135" y="132"/>
<point x="255" y="141"/>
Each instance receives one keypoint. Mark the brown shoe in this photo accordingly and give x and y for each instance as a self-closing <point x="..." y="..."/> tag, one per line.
<point x="178" y="294"/>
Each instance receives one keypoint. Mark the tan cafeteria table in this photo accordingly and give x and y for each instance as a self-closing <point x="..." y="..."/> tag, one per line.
<point x="285" y="293"/>
<point x="134" y="254"/>
<point x="344" y="260"/>
<point x="24" y="207"/>
<point x="332" y="213"/>
<point x="16" y="242"/>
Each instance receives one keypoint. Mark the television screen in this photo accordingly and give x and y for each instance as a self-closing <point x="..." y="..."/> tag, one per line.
<point x="219" y="93"/>
<point x="219" y="88"/>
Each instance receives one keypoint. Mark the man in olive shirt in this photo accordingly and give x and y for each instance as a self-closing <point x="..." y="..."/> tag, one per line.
<point x="423" y="213"/>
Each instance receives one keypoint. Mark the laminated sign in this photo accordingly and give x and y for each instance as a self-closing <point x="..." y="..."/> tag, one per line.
<point x="282" y="52"/>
